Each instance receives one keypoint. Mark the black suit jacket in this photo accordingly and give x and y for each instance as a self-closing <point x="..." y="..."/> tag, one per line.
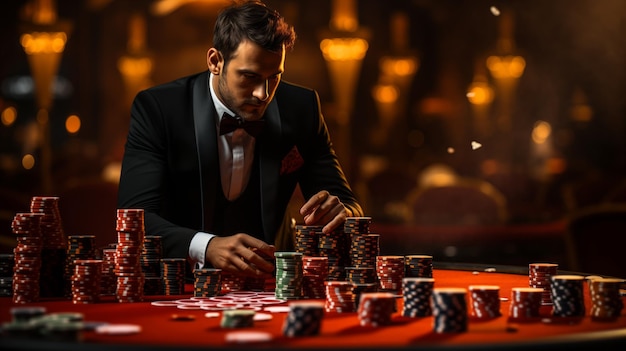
<point x="171" y="169"/>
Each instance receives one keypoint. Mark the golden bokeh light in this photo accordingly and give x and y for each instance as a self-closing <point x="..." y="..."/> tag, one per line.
<point x="28" y="161"/>
<point x="344" y="49"/>
<point x="502" y="67"/>
<point x="386" y="94"/>
<point x="480" y="93"/>
<point x="43" y="42"/>
<point x="9" y="115"/>
<point x="541" y="132"/>
<point x="72" y="124"/>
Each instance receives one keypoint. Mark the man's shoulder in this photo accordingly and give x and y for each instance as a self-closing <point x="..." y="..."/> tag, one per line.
<point x="290" y="90"/>
<point x="182" y="84"/>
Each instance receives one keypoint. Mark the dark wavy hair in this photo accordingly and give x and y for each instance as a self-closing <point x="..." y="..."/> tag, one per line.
<point x="254" y="21"/>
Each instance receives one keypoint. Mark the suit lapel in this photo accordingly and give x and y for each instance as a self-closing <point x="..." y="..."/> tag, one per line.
<point x="270" y="166"/>
<point x="204" y="116"/>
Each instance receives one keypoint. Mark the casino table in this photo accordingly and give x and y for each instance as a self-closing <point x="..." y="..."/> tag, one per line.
<point x="339" y="330"/>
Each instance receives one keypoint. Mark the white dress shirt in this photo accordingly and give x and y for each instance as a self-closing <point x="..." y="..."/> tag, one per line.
<point x="236" y="155"/>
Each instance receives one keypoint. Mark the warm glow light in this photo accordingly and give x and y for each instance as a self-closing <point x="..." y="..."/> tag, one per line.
<point x="386" y="94"/>
<point x="43" y="42"/>
<point x="28" y="161"/>
<point x="506" y="66"/>
<point x="344" y="16"/>
<point x="404" y="66"/>
<point x="134" y="66"/>
<point x="480" y="93"/>
<point x="344" y="49"/>
<point x="72" y="124"/>
<point x="541" y="132"/>
<point x="9" y="115"/>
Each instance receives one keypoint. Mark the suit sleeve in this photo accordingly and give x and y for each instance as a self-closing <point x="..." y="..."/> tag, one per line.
<point x="322" y="170"/>
<point x="144" y="169"/>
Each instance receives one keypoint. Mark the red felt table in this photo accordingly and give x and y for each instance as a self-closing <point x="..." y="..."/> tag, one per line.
<point x="159" y="331"/>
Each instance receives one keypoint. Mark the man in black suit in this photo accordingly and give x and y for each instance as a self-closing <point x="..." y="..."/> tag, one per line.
<point x="214" y="186"/>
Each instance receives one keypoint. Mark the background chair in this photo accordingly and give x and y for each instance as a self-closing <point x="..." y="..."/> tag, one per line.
<point x="462" y="202"/>
<point x="596" y="240"/>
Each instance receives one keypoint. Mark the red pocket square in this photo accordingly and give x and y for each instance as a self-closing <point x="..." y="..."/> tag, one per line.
<point x="291" y="162"/>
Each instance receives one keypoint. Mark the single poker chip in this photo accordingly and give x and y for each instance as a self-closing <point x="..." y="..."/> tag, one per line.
<point x="212" y="314"/>
<point x="118" y="329"/>
<point x="248" y="337"/>
<point x="258" y="317"/>
<point x="277" y="309"/>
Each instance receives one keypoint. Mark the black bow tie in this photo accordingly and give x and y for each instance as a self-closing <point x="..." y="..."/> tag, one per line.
<point x="230" y="123"/>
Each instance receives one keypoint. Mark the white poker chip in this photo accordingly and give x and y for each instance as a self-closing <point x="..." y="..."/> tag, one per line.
<point x="212" y="314"/>
<point x="187" y="302"/>
<point x="248" y="336"/>
<point x="277" y="309"/>
<point x="118" y="329"/>
<point x="164" y="303"/>
<point x="258" y="317"/>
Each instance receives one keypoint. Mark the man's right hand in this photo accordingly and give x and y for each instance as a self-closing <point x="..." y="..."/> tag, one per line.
<point x="241" y="254"/>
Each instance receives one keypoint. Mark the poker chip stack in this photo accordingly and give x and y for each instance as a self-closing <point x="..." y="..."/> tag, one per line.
<point x="333" y="245"/>
<point x="108" y="279"/>
<point x="525" y="303"/>
<point x="449" y="310"/>
<point x="314" y="274"/>
<point x="485" y="301"/>
<point x="567" y="295"/>
<point x="417" y="294"/>
<point x="606" y="301"/>
<point x="207" y="282"/>
<point x="86" y="281"/>
<point x="27" y="257"/>
<point x="339" y="297"/>
<point x="364" y="249"/>
<point x="130" y="237"/>
<point x="418" y="266"/>
<point x="151" y="255"/>
<point x="539" y="275"/>
<point x="303" y="319"/>
<point x="7" y="262"/>
<point x="307" y="239"/>
<point x="79" y="247"/>
<point x="357" y="225"/>
<point x="363" y="280"/>
<point x="173" y="275"/>
<point x="289" y="272"/>
<point x="390" y="272"/>
<point x="53" y="253"/>
<point x="376" y="309"/>
<point x="361" y="275"/>
<point x="237" y="318"/>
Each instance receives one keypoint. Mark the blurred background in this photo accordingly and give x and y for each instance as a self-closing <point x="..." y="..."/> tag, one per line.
<point x="470" y="130"/>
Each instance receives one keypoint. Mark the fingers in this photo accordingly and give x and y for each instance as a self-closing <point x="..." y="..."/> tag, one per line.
<point x="314" y="202"/>
<point x="241" y="254"/>
<point x="324" y="209"/>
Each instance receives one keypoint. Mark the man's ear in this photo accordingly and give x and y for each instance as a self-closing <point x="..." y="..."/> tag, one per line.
<point x="214" y="61"/>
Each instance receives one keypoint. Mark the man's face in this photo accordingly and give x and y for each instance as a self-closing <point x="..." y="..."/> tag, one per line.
<point x="248" y="81"/>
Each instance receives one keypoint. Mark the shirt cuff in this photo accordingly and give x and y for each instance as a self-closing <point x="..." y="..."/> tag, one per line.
<point x="197" y="248"/>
